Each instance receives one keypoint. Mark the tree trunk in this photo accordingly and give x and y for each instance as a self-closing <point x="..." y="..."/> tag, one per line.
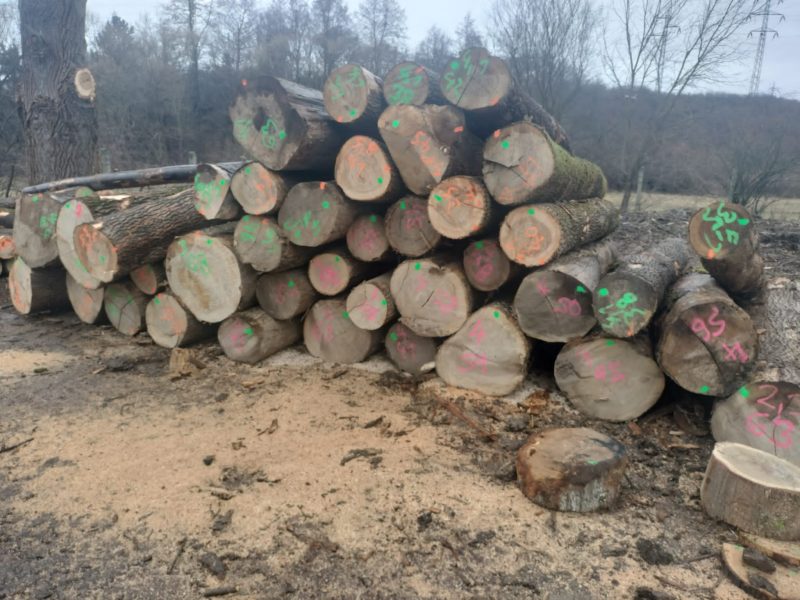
<point x="486" y="266"/>
<point x="262" y="244"/>
<point x="521" y="164"/>
<point x="7" y="248"/>
<point x="260" y="191"/>
<point x="171" y="325"/>
<point x="150" y="278"/>
<point x="212" y="190"/>
<point x="613" y="380"/>
<point x="60" y="126"/>
<point x="316" y="213"/>
<point x="285" y="295"/>
<point x="533" y="236"/>
<point x="366" y="239"/>
<point x="409" y="229"/>
<point x="329" y="334"/>
<point x="36" y="290"/>
<point x="482" y="85"/>
<point x="354" y="98"/>
<point x="554" y="303"/>
<point x="411" y="83"/>
<point x="370" y="304"/>
<point x="460" y="207"/>
<point x="428" y="144"/>
<point x="776" y="317"/>
<point x="365" y="171"/>
<point x="707" y="344"/>
<point x="125" y="307"/>
<point x="410" y="352"/>
<point x="489" y="354"/>
<point x="626" y="299"/>
<point x="253" y="336"/>
<point x="335" y="271"/>
<point x="284" y="126"/>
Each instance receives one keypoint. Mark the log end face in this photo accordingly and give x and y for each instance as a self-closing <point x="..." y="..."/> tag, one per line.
<point x="459" y="207"/>
<point x="554" y="307"/>
<point x="476" y="80"/>
<point x="409" y="351"/>
<point x="367" y="306"/>
<point x="86" y="303"/>
<point x="409" y="229"/>
<point x="212" y="192"/>
<point x="329" y="334"/>
<point x="329" y="273"/>
<point x="257" y="242"/>
<point x="256" y="189"/>
<point x="124" y="305"/>
<point x="406" y="83"/>
<point x="85" y="86"/>
<point x="530" y="236"/>
<point x="19" y="286"/>
<point x="346" y="93"/>
<point x="146" y="279"/>
<point x="624" y="304"/>
<point x="366" y="238"/>
<point x="719" y="230"/>
<point x="363" y="169"/>
<point x="96" y="252"/>
<point x="239" y="338"/>
<point x="486" y="266"/>
<point x="166" y="320"/>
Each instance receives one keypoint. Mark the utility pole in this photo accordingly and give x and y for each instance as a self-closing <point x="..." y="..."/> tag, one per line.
<point x="765" y="12"/>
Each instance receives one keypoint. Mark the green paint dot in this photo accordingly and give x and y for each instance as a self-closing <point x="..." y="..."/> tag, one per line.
<point x="592" y="462"/>
<point x="103" y="259"/>
<point x="297" y="233"/>
<point x="418" y="266"/>
<point x="384" y="303"/>
<point x="373" y="219"/>
<point x="454" y="65"/>
<point x="610" y="343"/>
<point x="291" y="283"/>
<point x="247" y="170"/>
<point x="506" y="144"/>
<point x="246" y="218"/>
<point x="705" y="389"/>
<point x="326" y="204"/>
<point x="35" y="199"/>
<point x="248" y="331"/>
<point x="580" y="289"/>
<point x="346" y="315"/>
<point x="395" y="124"/>
<point x="338" y="259"/>
<point x="603" y="292"/>
<point x="222" y="182"/>
<point x="479" y="245"/>
<point x="68" y="205"/>
<point x="282" y="135"/>
<point x="209" y="242"/>
<point x="531" y="211"/>
<point x="438" y="197"/>
<point x="402" y="206"/>
<point x="353" y="112"/>
<point x="497" y="314"/>
<point x="156" y="301"/>
<point x="744" y="222"/>
<point x="745" y="392"/>
<point x="393" y="336"/>
<point x="380" y="179"/>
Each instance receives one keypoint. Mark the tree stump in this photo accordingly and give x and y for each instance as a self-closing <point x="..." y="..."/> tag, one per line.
<point x="411" y="83"/>
<point x="486" y="266"/>
<point x="366" y="239"/>
<point x="365" y="171"/>
<point x="370" y="304"/>
<point x="252" y="336"/>
<point x="125" y="306"/>
<point x="707" y="344"/>
<point x="7" y="248"/>
<point x="753" y="490"/>
<point x="171" y="325"/>
<point x="779" y="585"/>
<point x="533" y="236"/>
<point x="460" y="207"/>
<point x="626" y="299"/>
<point x="262" y="244"/>
<point x="554" y="303"/>
<point x="150" y="279"/>
<point x="335" y="271"/>
<point x="575" y="470"/>
<point x="285" y="295"/>
<point x="260" y="191"/>
<point x="354" y="97"/>
<point x="613" y="380"/>
<point x="410" y="352"/>
<point x="489" y="354"/>
<point x="35" y="229"/>
<point x="329" y="334"/>
<point x="316" y="213"/>
<point x="409" y="229"/>
<point x="86" y="303"/>
<point x="212" y="191"/>
<point x="521" y="164"/>
<point x="428" y="144"/>
<point x="36" y="290"/>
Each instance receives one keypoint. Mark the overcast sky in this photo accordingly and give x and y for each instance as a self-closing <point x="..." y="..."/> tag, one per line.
<point x="781" y="65"/>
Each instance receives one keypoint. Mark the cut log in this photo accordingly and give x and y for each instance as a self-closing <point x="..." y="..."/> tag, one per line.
<point x="763" y="415"/>
<point x="613" y="380"/>
<point x="335" y="271"/>
<point x="150" y="279"/>
<point x="486" y="266"/>
<point x="460" y="207"/>
<point x="409" y="229"/>
<point x="776" y="317"/>
<point x="35" y="229"/>
<point x="576" y="470"/>
<point x="316" y="213"/>
<point x="410" y="352"/>
<point x="125" y="307"/>
<point x="626" y="299"/>
<point x="707" y="344"/>
<point x="285" y="295"/>
<point x="726" y="239"/>
<point x="781" y="584"/>
<point x="365" y="171"/>
<point x="252" y="336"/>
<point x="36" y="290"/>
<point x="86" y="303"/>
<point x="432" y="295"/>
<point x="535" y="236"/>
<point x="554" y="303"/>
<point x="7" y="248"/>
<point x="370" y="304"/>
<point x="262" y="244"/>
<point x="284" y="125"/>
<point x="212" y="191"/>
<point x="428" y="144"/>
<point x="366" y="239"/>
<point x="171" y="325"/>
<point x="354" y="97"/>
<point x="753" y="490"/>
<point x="521" y="164"/>
<point x="205" y="275"/>
<point x="411" y="83"/>
<point x="260" y="191"/>
<point x="787" y="553"/>
<point x="329" y="334"/>
<point x="489" y="354"/>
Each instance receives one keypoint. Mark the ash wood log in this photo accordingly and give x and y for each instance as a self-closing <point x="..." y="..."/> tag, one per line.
<point x="285" y="295"/>
<point x="86" y="303"/>
<point x="521" y="164"/>
<point x="150" y="278"/>
<point x="411" y="83"/>
<point x="171" y="325"/>
<point x="6" y="219"/>
<point x="460" y="207"/>
<point x="370" y="304"/>
<point x="410" y="352"/>
<point x="432" y="295"/>
<point x="284" y="125"/>
<point x="35" y="229"/>
<point x="262" y="244"/>
<point x="204" y="273"/>
<point x="335" y="271"/>
<point x="725" y="238"/>
<point x="534" y="236"/>
<point x="627" y="298"/>
<point x="576" y="470"/>
<point x="753" y="490"/>
<point x="409" y="229"/>
<point x="316" y="213"/>
<point x="482" y="85"/>
<point x="554" y="303"/>
<point x="613" y="380"/>
<point x="7" y="248"/>
<point x="763" y="415"/>
<point x="787" y="553"/>
<point x="778" y="585"/>
<point x="486" y="266"/>
<point x="252" y="336"/>
<point x="707" y="344"/>
<point x="125" y="307"/>
<point x="428" y="144"/>
<point x="212" y="190"/>
<point x="489" y="354"/>
<point x="366" y="239"/>
<point x="260" y="191"/>
<point x="354" y="97"/>
<point x="329" y="334"/>
<point x="36" y="290"/>
<point x="365" y="171"/>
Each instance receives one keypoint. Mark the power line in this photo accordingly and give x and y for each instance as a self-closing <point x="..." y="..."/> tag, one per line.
<point x="765" y="12"/>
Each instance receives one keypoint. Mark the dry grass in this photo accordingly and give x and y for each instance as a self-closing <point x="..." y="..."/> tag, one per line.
<point x="782" y="209"/>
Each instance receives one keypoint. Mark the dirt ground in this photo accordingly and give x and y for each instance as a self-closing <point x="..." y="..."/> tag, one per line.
<point x="305" y="480"/>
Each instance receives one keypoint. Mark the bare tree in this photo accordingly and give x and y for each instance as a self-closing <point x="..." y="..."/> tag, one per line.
<point x="234" y="34"/>
<point x="435" y="50"/>
<point x="467" y="34"/>
<point x="382" y="24"/>
<point x="333" y="38"/>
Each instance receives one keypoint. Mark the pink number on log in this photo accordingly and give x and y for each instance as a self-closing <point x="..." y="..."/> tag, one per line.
<point x="447" y="304"/>
<point x="473" y="361"/>
<point x="476" y="332"/>
<point x="568" y="306"/>
<point x="720" y="324"/>
<point x="735" y="353"/>
<point x="542" y="287"/>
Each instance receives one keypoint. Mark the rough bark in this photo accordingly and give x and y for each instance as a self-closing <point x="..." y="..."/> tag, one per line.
<point x="370" y="304"/>
<point x="260" y="191"/>
<point x="409" y="229"/>
<point x="36" y="290"/>
<point x="411" y="83"/>
<point x="777" y="319"/>
<point x="150" y="278"/>
<point x="212" y="190"/>
<point x="253" y="336"/>
<point x="335" y="271"/>
<point x="410" y="352"/>
<point x="354" y="97"/>
<point x="487" y="267"/>
<point x="366" y="238"/>
<point x="365" y="171"/>
<point x="86" y="303"/>
<point x="262" y="244"/>
<point x="460" y="207"/>
<point x="171" y="325"/>
<point x="316" y="213"/>
<point x="125" y="307"/>
<point x="285" y="295"/>
<point x="329" y="334"/>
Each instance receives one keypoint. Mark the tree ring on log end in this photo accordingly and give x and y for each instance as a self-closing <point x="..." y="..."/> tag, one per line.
<point x="330" y="273"/>
<point x="485" y="265"/>
<point x="73" y="214"/>
<point x="346" y="93"/>
<point x="624" y="304"/>
<point x="363" y="169"/>
<point x="554" y="307"/>
<point x="409" y="229"/>
<point x="366" y="238"/>
<point x="716" y="232"/>
<point x="407" y="83"/>
<point x="530" y="237"/>
<point x="166" y="320"/>
<point x="476" y="80"/>
<point x="211" y="188"/>
<point x="368" y="306"/>
<point x="96" y="252"/>
<point x="459" y="207"/>
<point x="258" y="190"/>
<point x="258" y="242"/>
<point x="124" y="306"/>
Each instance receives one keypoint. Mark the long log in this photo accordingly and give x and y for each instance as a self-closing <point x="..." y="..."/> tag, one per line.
<point x="412" y="83"/>
<point x="370" y="304"/>
<point x="86" y="303"/>
<point x="486" y="266"/>
<point x="335" y="271"/>
<point x="489" y="354"/>
<point x="125" y="306"/>
<point x="150" y="278"/>
<point x="428" y="144"/>
<point x="285" y="295"/>
<point x="521" y="164"/>
<point x="329" y="334"/>
<point x="533" y="236"/>
<point x="627" y="298"/>
<point x="726" y="239"/>
<point x="260" y="191"/>
<point x="316" y="213"/>
<point x="410" y="352"/>
<point x="554" y="303"/>
<point x="252" y="336"/>
<point x="171" y="325"/>
<point x="366" y="238"/>
<point x="262" y="244"/>
<point x="409" y="229"/>
<point x="365" y="171"/>
<point x="204" y="273"/>
<point x="212" y="190"/>
<point x="482" y="85"/>
<point x="354" y="97"/>
<point x="36" y="290"/>
<point x="707" y="344"/>
<point x="460" y="207"/>
<point x="8" y="249"/>
<point x="284" y="125"/>
<point x="613" y="380"/>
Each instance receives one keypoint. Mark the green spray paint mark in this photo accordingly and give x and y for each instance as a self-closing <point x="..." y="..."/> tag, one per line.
<point x="222" y="182"/>
<point x="338" y="259"/>
<point x="353" y="112"/>
<point x="346" y="315"/>
<point x="103" y="259"/>
<point x="326" y="204"/>
<point x="705" y="389"/>
<point x="156" y="301"/>
<point x="384" y="303"/>
<point x="246" y="218"/>
<point x="248" y="331"/>
<point x="297" y="233"/>
<point x="610" y="343"/>
<point x="479" y="245"/>
<point x="68" y="205"/>
<point x="593" y="462"/>
<point x="438" y="197"/>
<point x="744" y="222"/>
<point x="402" y="206"/>
<point x="454" y="65"/>
<point x="603" y="292"/>
<point x="506" y="144"/>
<point x="497" y="314"/>
<point x="209" y="242"/>
<point x="380" y="180"/>
<point x="418" y="266"/>
<point x="393" y="336"/>
<point x="395" y="124"/>
<point x="373" y="219"/>
<point x="291" y="283"/>
<point x="745" y="392"/>
<point x="282" y="135"/>
<point x="35" y="199"/>
<point x="247" y="170"/>
<point x="531" y="211"/>
<point x="580" y="289"/>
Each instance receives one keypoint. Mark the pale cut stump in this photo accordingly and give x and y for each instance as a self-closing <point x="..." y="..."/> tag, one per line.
<point x="783" y="580"/>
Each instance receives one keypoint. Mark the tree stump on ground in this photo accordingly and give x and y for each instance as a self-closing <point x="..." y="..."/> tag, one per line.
<point x="252" y="336"/>
<point x="171" y="325"/>
<point x="329" y="334"/>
